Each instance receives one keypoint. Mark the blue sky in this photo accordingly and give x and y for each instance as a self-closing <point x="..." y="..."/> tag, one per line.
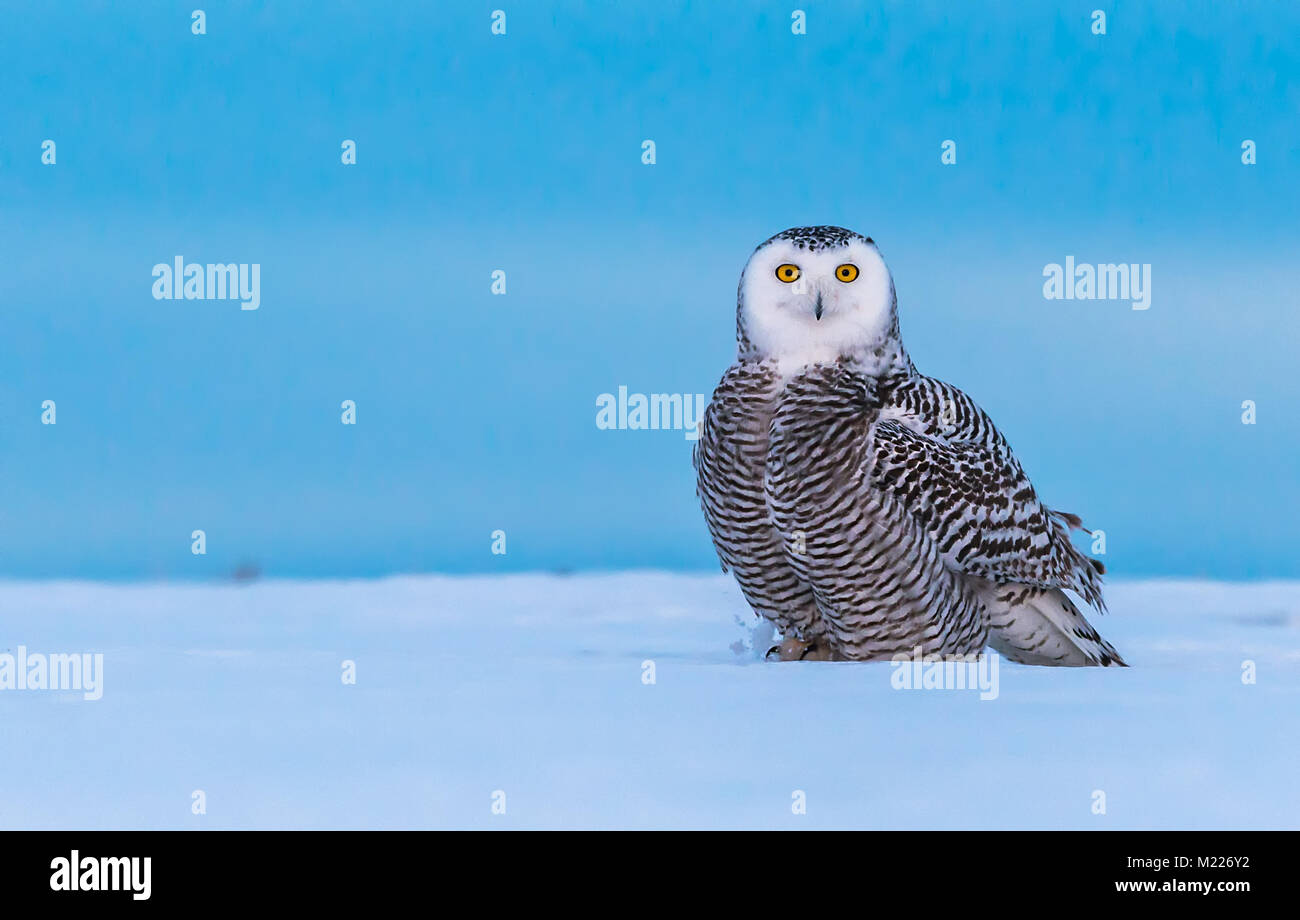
<point x="522" y="152"/>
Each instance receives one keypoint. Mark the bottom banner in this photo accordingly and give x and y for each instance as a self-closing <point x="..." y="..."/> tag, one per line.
<point x="333" y="869"/>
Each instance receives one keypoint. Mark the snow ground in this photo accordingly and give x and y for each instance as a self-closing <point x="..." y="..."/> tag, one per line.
<point x="532" y="684"/>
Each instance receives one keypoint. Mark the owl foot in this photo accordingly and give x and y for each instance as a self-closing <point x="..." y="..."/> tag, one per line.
<point x="797" y="650"/>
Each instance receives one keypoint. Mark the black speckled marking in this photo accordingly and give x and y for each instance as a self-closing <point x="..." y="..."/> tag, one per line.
<point x="816" y="239"/>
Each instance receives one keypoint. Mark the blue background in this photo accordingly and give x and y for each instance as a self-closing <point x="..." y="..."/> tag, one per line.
<point x="523" y="153"/>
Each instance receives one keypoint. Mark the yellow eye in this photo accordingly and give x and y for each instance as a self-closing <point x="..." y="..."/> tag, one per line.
<point x="787" y="272"/>
<point x="847" y="272"/>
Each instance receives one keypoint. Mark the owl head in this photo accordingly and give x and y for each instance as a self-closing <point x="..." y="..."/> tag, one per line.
<point x="812" y="295"/>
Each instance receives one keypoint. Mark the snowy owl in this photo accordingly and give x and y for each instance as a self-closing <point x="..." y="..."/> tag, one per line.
<point x="865" y="509"/>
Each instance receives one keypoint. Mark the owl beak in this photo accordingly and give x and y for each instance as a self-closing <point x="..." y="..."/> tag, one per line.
<point x="817" y="308"/>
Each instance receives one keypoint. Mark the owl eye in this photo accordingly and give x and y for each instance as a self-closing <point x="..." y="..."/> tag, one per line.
<point x="847" y="272"/>
<point x="787" y="272"/>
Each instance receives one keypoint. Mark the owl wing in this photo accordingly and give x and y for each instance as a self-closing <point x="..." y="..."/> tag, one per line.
<point x="941" y="456"/>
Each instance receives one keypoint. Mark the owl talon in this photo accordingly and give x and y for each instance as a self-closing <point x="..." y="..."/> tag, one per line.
<point x="798" y="650"/>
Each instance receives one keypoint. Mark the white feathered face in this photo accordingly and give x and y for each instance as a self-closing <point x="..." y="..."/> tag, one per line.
<point x="812" y="304"/>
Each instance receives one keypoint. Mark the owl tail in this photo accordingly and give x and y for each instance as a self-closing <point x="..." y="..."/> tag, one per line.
<point x="1041" y="626"/>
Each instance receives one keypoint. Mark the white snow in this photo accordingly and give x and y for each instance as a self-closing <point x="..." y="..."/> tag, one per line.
<point x="532" y="684"/>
